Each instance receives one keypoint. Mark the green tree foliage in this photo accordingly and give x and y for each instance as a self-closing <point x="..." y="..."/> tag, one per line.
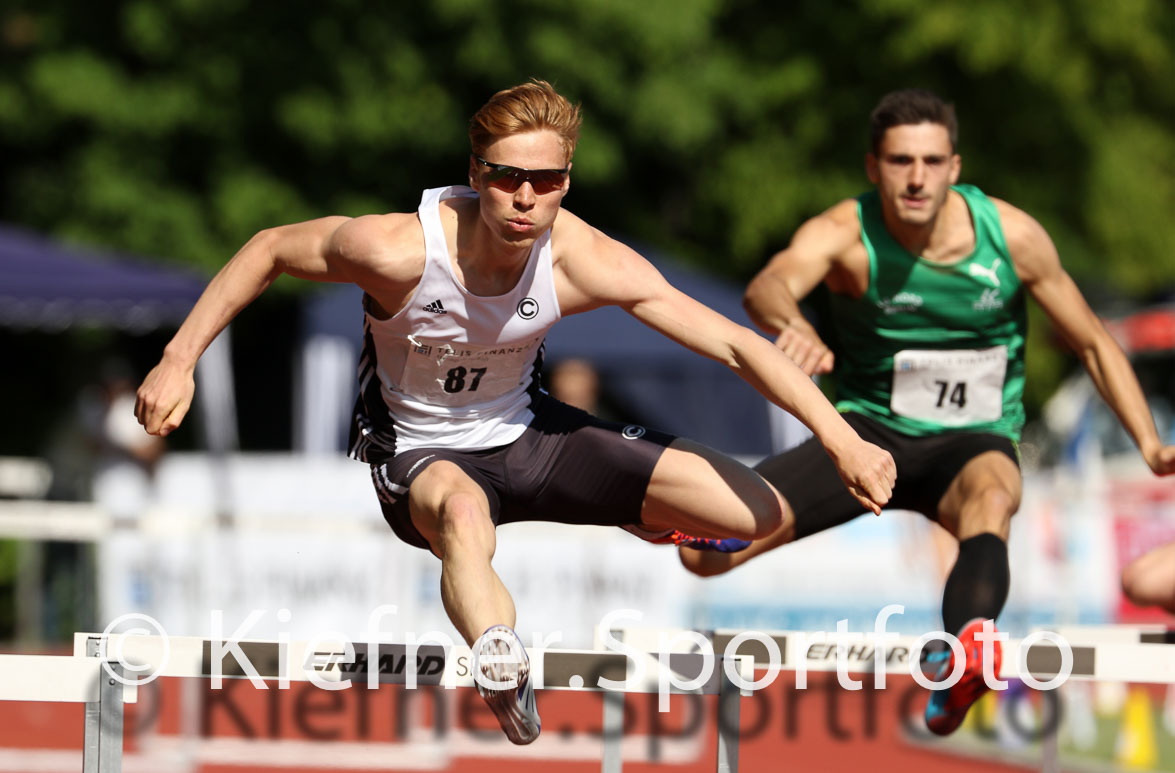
<point x="177" y="128"/>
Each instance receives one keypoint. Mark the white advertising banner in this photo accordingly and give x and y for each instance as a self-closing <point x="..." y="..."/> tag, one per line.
<point x="306" y="553"/>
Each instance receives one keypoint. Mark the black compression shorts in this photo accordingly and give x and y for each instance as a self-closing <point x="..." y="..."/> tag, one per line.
<point x="808" y="480"/>
<point x="567" y="467"/>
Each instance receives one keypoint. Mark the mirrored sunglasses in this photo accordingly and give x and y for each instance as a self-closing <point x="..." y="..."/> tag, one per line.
<point x="510" y="178"/>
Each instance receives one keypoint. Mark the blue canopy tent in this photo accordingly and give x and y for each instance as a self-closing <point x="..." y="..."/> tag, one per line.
<point x="652" y="377"/>
<point x="48" y="286"/>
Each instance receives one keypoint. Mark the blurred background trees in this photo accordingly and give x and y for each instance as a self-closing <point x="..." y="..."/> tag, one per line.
<point x="178" y="128"/>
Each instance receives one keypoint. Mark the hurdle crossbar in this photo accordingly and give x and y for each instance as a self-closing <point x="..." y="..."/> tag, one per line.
<point x="1153" y="633"/>
<point x="333" y="663"/>
<point x="1135" y="656"/>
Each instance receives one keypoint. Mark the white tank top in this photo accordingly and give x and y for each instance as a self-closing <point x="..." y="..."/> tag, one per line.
<point x="452" y="369"/>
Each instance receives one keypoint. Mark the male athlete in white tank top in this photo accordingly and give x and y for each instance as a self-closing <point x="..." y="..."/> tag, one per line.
<point x="510" y="261"/>
<point x="452" y="369"/>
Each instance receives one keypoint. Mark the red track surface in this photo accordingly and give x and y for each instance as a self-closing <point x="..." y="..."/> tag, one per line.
<point x="820" y="729"/>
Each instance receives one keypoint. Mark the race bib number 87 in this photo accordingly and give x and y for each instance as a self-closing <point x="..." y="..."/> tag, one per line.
<point x="950" y="387"/>
<point x="460" y="374"/>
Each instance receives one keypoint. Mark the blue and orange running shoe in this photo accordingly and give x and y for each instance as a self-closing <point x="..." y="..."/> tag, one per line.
<point x="681" y="539"/>
<point x="947" y="708"/>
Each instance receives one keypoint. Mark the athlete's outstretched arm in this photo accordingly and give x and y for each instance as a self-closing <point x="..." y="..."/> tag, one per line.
<point x="1039" y="268"/>
<point x="772" y="299"/>
<point x="594" y="270"/>
<point x="332" y="249"/>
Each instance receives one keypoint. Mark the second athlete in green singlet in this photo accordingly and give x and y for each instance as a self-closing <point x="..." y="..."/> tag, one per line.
<point x="927" y="281"/>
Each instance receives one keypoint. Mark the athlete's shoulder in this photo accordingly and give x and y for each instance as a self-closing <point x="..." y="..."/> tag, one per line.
<point x="1032" y="250"/>
<point x="832" y="233"/>
<point x="1011" y="216"/>
<point x="575" y="241"/>
<point x="570" y="230"/>
<point x="374" y="232"/>
<point x="1021" y="230"/>
<point x="593" y="269"/>
<point x="390" y="245"/>
<point x="843" y="215"/>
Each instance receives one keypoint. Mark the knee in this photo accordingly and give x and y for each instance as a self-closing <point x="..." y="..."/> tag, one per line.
<point x="1135" y="583"/>
<point x="768" y="513"/>
<point x="458" y="524"/>
<point x="990" y="510"/>
<point x="769" y="523"/>
<point x="999" y="502"/>
<point x="463" y="522"/>
<point x="1130" y="583"/>
<point x="704" y="563"/>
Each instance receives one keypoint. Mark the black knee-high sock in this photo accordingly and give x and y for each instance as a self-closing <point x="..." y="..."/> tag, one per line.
<point x="978" y="583"/>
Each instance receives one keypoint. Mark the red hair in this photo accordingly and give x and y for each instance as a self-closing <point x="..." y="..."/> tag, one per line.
<point x="529" y="107"/>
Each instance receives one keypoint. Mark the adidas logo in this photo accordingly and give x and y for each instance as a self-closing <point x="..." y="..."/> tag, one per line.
<point x="436" y="307"/>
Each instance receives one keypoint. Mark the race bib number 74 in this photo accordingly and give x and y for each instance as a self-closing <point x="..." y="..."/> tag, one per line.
<point x="950" y="387"/>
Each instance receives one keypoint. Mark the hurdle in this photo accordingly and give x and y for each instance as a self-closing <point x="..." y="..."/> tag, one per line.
<point x="74" y="679"/>
<point x="1113" y="653"/>
<point x="1101" y="653"/>
<point x="1101" y="636"/>
<point x="340" y="662"/>
<point x="1146" y="633"/>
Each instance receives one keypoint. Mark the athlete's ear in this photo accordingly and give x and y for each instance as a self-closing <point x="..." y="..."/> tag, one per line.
<point x="567" y="179"/>
<point x="956" y="167"/>
<point x="474" y="174"/>
<point x="871" y="168"/>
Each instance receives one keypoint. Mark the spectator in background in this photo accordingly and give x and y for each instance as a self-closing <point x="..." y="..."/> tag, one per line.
<point x="99" y="434"/>
<point x="576" y="382"/>
<point x="124" y="472"/>
<point x="121" y="438"/>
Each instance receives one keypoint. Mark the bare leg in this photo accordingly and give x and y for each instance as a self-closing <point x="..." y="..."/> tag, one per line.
<point x="707" y="494"/>
<point x="453" y="514"/>
<point x="982" y="497"/>
<point x="977" y="509"/>
<point x="1149" y="580"/>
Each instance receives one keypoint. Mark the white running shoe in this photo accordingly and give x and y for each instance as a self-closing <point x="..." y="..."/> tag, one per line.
<point x="511" y="697"/>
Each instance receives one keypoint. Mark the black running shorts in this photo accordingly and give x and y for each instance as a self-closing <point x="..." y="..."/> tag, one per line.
<point x="808" y="479"/>
<point x="567" y="467"/>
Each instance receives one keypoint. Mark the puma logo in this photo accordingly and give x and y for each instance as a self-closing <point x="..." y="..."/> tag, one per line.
<point x="988" y="273"/>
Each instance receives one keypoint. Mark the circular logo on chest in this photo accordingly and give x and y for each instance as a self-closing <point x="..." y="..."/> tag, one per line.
<point x="528" y="308"/>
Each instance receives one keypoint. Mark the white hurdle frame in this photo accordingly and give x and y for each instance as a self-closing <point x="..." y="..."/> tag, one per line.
<point x="1112" y="653"/>
<point x="74" y="679"/>
<point x="1107" y="653"/>
<point x="551" y="669"/>
<point x="1153" y="635"/>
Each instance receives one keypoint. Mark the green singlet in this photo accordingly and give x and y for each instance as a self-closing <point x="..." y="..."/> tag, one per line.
<point x="932" y="347"/>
